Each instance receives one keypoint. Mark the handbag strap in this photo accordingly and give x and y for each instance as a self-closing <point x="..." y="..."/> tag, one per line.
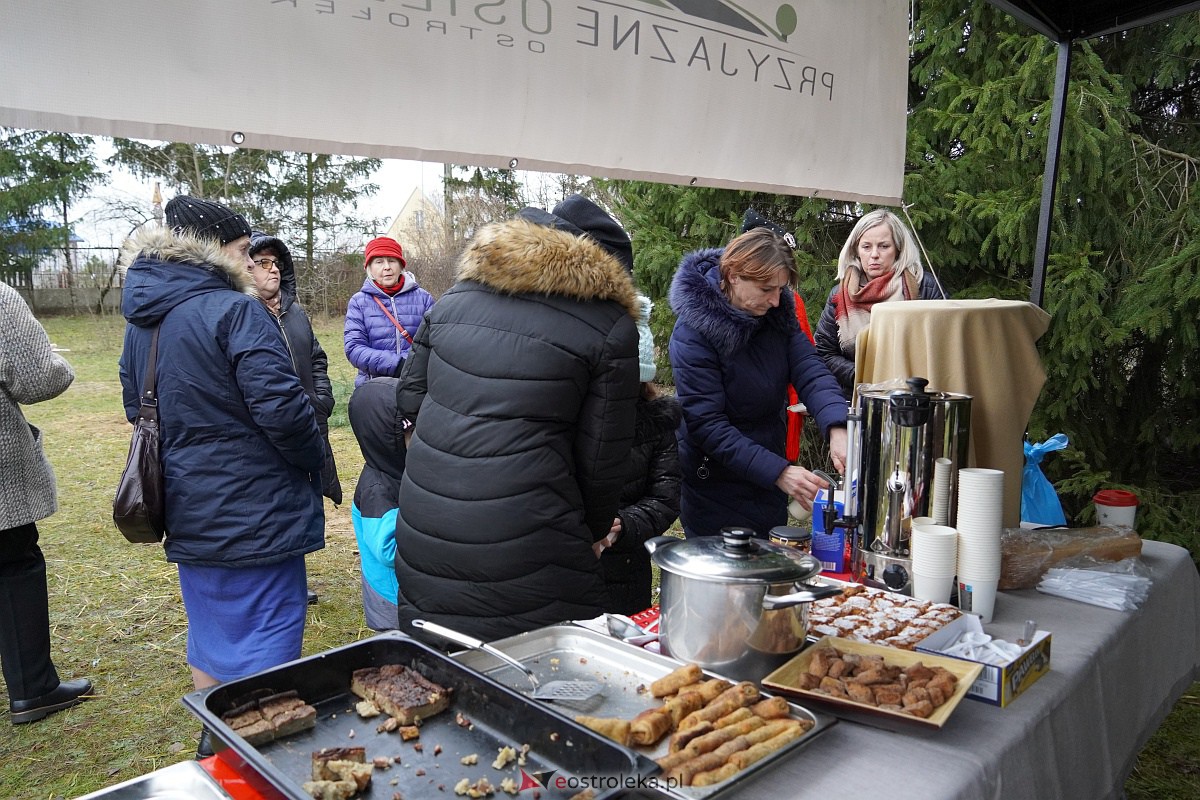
<point x="148" y="400"/>
<point x="395" y="321"/>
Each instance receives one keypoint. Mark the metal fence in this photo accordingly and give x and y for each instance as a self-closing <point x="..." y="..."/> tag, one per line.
<point x="95" y="282"/>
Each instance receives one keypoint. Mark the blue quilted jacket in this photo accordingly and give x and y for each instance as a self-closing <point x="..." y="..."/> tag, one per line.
<point x="373" y="343"/>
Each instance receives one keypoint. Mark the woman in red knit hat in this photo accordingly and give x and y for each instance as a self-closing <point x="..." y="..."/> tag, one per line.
<point x="383" y="316"/>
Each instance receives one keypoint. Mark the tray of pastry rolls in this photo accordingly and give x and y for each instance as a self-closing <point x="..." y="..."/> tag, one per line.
<point x="708" y="734"/>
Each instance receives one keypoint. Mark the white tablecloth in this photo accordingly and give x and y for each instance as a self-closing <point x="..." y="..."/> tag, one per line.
<point x="1114" y="676"/>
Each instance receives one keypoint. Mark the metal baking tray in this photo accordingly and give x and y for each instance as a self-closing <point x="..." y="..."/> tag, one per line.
<point x="571" y="652"/>
<point x="186" y="780"/>
<point x="498" y="717"/>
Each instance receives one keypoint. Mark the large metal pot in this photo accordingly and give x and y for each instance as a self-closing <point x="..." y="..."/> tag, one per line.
<point x="732" y="603"/>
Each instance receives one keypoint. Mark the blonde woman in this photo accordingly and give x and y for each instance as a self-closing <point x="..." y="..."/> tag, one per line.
<point x="879" y="263"/>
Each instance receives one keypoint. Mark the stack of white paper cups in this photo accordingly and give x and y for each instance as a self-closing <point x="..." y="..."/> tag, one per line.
<point x="934" y="560"/>
<point x="940" y="504"/>
<point x="980" y="521"/>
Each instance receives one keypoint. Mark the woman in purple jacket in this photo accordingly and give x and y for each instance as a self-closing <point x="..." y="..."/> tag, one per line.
<point x="735" y="348"/>
<point x="383" y="316"/>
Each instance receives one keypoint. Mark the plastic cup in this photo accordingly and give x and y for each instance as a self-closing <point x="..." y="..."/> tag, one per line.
<point x="930" y="565"/>
<point x="940" y="507"/>
<point x="974" y="557"/>
<point x="934" y="541"/>
<point x="1116" y="507"/>
<point x="978" y="560"/>
<point x="978" y="571"/>
<point x="980" y="495"/>
<point x="934" y="588"/>
<point x="977" y="596"/>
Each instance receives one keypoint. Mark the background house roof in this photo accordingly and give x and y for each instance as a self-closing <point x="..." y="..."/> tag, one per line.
<point x="1065" y="20"/>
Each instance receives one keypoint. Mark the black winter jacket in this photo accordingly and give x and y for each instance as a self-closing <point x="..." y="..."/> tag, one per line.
<point x="649" y="505"/>
<point x="309" y="359"/>
<point x="525" y="377"/>
<point x="839" y="361"/>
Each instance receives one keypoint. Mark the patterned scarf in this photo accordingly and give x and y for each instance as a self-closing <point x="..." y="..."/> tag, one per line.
<point x="854" y="300"/>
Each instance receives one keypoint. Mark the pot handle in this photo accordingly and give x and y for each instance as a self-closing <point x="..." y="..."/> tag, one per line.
<point x="806" y="595"/>
<point x="658" y="541"/>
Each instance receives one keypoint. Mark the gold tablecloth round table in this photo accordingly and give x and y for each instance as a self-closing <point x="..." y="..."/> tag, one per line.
<point x="983" y="348"/>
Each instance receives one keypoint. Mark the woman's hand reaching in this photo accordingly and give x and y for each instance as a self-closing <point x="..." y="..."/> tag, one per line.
<point x="837" y="448"/>
<point x="801" y="485"/>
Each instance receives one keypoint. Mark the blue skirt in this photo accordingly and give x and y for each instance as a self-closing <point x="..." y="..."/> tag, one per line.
<point x="246" y="619"/>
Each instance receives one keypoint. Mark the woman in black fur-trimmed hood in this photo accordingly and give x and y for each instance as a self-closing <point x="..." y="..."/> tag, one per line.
<point x="277" y="290"/>
<point x="522" y="384"/>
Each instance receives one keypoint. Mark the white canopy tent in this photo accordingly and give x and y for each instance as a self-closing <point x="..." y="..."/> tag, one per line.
<point x="756" y="94"/>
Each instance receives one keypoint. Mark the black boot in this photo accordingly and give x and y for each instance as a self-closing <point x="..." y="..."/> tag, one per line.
<point x="67" y="694"/>
<point x="205" y="748"/>
<point x="25" y="620"/>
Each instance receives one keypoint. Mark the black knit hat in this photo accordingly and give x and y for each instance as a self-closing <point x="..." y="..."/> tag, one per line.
<point x="752" y="219"/>
<point x="205" y="219"/>
<point x="582" y="217"/>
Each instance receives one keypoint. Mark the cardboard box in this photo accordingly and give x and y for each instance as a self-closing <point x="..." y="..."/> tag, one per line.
<point x="828" y="547"/>
<point x="996" y="685"/>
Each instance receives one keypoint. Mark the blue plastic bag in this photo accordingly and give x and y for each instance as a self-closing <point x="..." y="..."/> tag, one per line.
<point x="1039" y="501"/>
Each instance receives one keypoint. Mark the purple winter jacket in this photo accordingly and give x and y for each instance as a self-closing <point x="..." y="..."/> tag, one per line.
<point x="373" y="344"/>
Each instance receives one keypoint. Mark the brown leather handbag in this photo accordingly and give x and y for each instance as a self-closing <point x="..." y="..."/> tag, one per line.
<point x="139" y="510"/>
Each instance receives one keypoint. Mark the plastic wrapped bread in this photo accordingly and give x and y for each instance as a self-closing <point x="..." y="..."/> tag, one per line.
<point x="1026" y="554"/>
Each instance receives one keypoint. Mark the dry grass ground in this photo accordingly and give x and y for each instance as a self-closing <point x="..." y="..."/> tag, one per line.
<point x="117" y="616"/>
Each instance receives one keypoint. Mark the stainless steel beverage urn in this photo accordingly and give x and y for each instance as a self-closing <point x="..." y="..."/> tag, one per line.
<point x="900" y="435"/>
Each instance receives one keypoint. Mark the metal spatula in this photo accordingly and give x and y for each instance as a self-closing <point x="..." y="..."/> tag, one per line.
<point x="569" y="692"/>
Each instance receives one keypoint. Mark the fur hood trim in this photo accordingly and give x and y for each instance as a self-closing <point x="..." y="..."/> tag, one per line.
<point x="699" y="303"/>
<point x="165" y="245"/>
<point x="520" y="257"/>
<point x="662" y="414"/>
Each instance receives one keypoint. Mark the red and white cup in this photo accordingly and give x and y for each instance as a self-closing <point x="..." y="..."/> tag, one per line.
<point x="1116" y="507"/>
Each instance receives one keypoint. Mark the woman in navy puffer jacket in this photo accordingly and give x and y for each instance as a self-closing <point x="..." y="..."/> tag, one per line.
<point x="384" y="315"/>
<point x="735" y="348"/>
<point x="241" y="452"/>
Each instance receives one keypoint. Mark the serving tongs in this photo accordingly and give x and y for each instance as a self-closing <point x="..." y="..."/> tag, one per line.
<point x="578" y="693"/>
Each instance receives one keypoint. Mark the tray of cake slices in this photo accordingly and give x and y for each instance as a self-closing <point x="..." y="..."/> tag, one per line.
<point x="707" y="733"/>
<point x="866" y="614"/>
<point x="389" y="716"/>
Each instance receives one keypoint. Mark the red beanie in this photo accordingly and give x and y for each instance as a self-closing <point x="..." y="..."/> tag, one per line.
<point x="383" y="246"/>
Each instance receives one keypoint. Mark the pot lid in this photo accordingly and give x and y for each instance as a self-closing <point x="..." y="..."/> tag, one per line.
<point x="736" y="557"/>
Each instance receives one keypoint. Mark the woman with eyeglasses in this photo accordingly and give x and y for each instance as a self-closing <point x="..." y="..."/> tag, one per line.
<point x="735" y="349"/>
<point x="275" y="277"/>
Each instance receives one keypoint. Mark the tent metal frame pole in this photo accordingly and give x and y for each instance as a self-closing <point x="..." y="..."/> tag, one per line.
<point x="1041" y="253"/>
